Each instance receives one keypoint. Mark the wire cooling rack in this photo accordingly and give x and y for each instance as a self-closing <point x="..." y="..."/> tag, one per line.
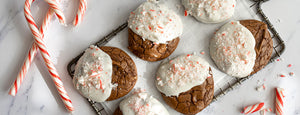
<point x="278" y="49"/>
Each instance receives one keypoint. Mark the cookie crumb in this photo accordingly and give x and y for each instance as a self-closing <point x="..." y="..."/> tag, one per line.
<point x="261" y="88"/>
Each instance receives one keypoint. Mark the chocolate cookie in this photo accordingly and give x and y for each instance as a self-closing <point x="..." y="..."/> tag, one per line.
<point x="264" y="42"/>
<point x="193" y="100"/>
<point x="118" y="111"/>
<point x="147" y="50"/>
<point x="124" y="72"/>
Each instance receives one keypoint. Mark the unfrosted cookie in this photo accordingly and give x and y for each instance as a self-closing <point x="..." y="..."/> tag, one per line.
<point x="186" y="83"/>
<point x="240" y="52"/>
<point x="263" y="43"/>
<point x="147" y="50"/>
<point x="104" y="74"/>
<point x="124" y="72"/>
<point x="140" y="103"/>
<point x="210" y="11"/>
<point x="154" y="31"/>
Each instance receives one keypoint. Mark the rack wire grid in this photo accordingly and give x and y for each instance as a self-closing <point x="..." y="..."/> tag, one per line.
<point x="278" y="49"/>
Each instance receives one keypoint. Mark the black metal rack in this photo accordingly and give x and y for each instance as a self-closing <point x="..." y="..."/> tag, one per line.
<point x="278" y="48"/>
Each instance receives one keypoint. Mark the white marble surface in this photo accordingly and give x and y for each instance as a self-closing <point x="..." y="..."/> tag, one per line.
<point x="37" y="94"/>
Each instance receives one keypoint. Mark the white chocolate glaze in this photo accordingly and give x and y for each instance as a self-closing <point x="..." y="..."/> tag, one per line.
<point x="93" y="74"/>
<point x="232" y="49"/>
<point x="210" y="11"/>
<point x="141" y="103"/>
<point x="155" y="22"/>
<point x="181" y="74"/>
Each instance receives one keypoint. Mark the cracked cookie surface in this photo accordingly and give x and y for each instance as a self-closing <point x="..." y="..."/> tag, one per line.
<point x="124" y="72"/>
<point x="193" y="100"/>
<point x="118" y="111"/>
<point x="263" y="42"/>
<point x="149" y="51"/>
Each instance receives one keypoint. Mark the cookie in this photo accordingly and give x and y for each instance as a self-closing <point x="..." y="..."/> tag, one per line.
<point x="140" y="103"/>
<point x="194" y="100"/>
<point x="186" y="83"/>
<point x="118" y="111"/>
<point x="263" y="43"/>
<point x="240" y="50"/>
<point x="124" y="72"/>
<point x="154" y="31"/>
<point x="147" y="50"/>
<point x="209" y="11"/>
<point x="92" y="77"/>
<point x="104" y="74"/>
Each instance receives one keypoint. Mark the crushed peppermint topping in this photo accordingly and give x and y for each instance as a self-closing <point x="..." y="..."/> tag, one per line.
<point x="181" y="74"/>
<point x="141" y="103"/>
<point x="209" y="11"/>
<point x="155" y="22"/>
<point x="232" y="49"/>
<point x="93" y="74"/>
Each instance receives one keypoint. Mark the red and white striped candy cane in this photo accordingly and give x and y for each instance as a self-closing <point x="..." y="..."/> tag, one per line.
<point x="58" y="11"/>
<point x="46" y="56"/>
<point x="31" y="54"/>
<point x="279" y="101"/>
<point x="80" y="12"/>
<point x="33" y="50"/>
<point x="254" y="108"/>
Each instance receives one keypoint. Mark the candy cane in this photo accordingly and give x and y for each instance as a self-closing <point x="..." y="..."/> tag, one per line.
<point x="56" y="8"/>
<point x="80" y="12"/>
<point x="31" y="54"/>
<point x="33" y="50"/>
<point x="253" y="108"/>
<point x="279" y="101"/>
<point x="46" y="56"/>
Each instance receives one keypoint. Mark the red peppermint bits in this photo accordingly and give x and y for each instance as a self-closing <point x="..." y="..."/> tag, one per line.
<point x="290" y="65"/>
<point x="282" y="75"/>
<point x="152" y="10"/>
<point x="160" y="27"/>
<point x="185" y="13"/>
<point x="149" y="27"/>
<point x="291" y="73"/>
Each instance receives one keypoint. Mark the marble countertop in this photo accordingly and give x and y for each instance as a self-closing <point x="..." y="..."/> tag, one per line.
<point x="38" y="95"/>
